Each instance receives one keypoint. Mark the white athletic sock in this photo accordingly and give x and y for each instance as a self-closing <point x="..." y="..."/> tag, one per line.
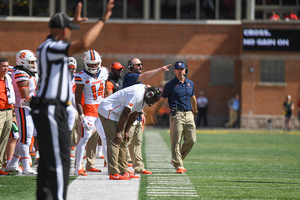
<point x="16" y="156"/>
<point x="79" y="152"/>
<point x="24" y="149"/>
<point x="8" y="161"/>
<point x="99" y="151"/>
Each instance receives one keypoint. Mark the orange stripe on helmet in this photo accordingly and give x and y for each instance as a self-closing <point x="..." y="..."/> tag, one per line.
<point x="92" y="54"/>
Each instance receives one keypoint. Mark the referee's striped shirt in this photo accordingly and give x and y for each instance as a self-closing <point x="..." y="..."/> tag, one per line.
<point x="54" y="74"/>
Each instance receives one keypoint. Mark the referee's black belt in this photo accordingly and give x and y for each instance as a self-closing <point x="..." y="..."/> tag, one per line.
<point x="182" y="110"/>
<point x="37" y="100"/>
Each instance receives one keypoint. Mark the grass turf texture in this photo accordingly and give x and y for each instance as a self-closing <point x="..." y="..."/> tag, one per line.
<point x="19" y="187"/>
<point x="241" y="164"/>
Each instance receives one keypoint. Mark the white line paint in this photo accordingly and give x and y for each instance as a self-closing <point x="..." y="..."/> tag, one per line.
<point x="164" y="182"/>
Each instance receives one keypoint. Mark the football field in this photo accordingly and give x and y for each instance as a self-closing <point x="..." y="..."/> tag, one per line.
<point x="226" y="164"/>
<point x="223" y="164"/>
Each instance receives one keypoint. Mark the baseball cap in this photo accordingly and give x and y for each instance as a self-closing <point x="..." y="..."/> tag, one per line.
<point x="117" y="65"/>
<point x="61" y="20"/>
<point x="178" y="65"/>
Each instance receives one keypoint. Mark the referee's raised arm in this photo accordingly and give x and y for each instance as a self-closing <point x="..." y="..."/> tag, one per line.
<point x="90" y="36"/>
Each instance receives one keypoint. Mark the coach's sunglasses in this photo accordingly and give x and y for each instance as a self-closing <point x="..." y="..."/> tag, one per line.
<point x="139" y="64"/>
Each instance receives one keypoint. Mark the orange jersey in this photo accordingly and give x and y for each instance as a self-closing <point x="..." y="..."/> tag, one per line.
<point x="3" y="96"/>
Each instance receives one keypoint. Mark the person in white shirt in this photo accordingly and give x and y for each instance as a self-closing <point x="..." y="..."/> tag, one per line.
<point x="120" y="110"/>
<point x="202" y="103"/>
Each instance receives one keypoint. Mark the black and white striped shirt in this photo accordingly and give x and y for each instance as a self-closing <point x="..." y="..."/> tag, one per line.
<point x="55" y="76"/>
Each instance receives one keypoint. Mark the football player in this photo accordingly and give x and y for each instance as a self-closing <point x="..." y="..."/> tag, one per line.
<point x="92" y="83"/>
<point x="24" y="79"/>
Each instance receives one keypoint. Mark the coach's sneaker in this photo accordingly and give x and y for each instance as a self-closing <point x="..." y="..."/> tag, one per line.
<point x="181" y="171"/>
<point x="93" y="170"/>
<point x="130" y="175"/>
<point x="13" y="169"/>
<point x="80" y="172"/>
<point x="118" y="177"/>
<point x="129" y="164"/>
<point x="30" y="171"/>
<point x="147" y="172"/>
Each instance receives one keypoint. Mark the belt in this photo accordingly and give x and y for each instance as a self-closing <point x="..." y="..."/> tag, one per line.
<point x="37" y="100"/>
<point x="182" y="110"/>
<point x="5" y="109"/>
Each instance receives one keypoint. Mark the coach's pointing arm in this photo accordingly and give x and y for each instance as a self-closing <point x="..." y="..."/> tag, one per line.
<point x="90" y="36"/>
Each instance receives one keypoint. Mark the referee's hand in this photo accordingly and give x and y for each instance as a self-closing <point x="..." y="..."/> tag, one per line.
<point x="77" y="16"/>
<point x="107" y="13"/>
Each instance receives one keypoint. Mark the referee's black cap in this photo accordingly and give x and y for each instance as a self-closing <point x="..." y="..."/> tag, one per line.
<point x="61" y="20"/>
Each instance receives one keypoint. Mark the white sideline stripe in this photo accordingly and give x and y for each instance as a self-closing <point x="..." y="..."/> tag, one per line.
<point x="177" y="188"/>
<point x="172" y="195"/>
<point x="167" y="190"/>
<point x="158" y="157"/>
<point x="211" y="158"/>
<point x="242" y="164"/>
<point x="283" y="188"/>
<point x="182" y="193"/>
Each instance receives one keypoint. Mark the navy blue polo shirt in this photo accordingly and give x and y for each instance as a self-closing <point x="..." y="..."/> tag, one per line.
<point x="179" y="94"/>
<point x="129" y="79"/>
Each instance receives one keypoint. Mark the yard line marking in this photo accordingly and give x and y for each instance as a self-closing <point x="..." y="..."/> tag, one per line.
<point x="237" y="187"/>
<point x="164" y="183"/>
<point x="242" y="131"/>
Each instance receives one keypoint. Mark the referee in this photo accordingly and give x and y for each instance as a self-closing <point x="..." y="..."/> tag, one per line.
<point x="54" y="94"/>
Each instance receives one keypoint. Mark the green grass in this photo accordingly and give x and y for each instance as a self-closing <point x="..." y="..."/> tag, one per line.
<point x="242" y="165"/>
<point x="19" y="187"/>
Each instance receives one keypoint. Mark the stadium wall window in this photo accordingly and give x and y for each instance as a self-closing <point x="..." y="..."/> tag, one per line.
<point x="188" y="9"/>
<point x="289" y="2"/>
<point x="93" y="8"/>
<point x="207" y="9"/>
<point x="227" y="9"/>
<point x="222" y="72"/>
<point x="168" y="9"/>
<point x="272" y="71"/>
<point x="135" y="9"/>
<point x="20" y="8"/>
<point x="118" y="10"/>
<point x="4" y="8"/>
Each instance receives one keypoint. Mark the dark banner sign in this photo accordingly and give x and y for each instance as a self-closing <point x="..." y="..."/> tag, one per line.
<point x="271" y="40"/>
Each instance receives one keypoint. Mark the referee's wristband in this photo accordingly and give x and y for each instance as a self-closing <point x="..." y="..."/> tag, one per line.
<point x="101" y="19"/>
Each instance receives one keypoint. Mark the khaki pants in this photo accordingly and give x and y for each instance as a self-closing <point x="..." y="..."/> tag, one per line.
<point x="233" y="115"/>
<point x="182" y="125"/>
<point x="5" y="127"/>
<point x="135" y="147"/>
<point x="116" y="155"/>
